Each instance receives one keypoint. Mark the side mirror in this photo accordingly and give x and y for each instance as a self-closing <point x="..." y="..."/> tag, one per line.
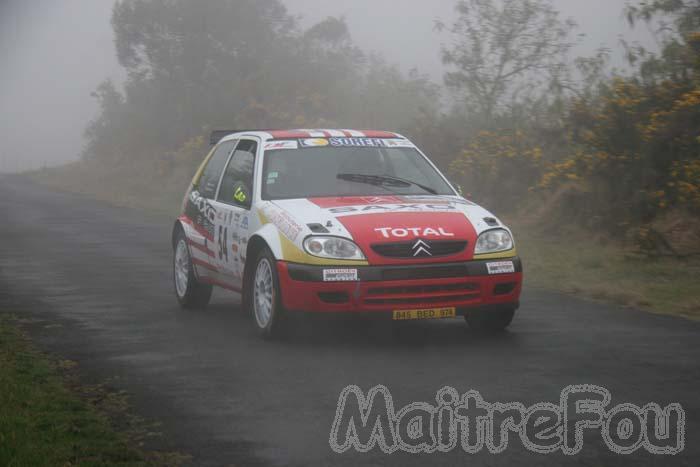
<point x="458" y="187"/>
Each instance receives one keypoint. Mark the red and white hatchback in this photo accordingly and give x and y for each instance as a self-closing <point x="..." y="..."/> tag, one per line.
<point x="340" y="221"/>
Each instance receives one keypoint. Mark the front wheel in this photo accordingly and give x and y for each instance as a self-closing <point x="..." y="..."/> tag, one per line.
<point x="190" y="293"/>
<point x="267" y="311"/>
<point x="490" y="320"/>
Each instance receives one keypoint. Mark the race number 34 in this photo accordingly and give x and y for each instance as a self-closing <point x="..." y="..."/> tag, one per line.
<point x="223" y="241"/>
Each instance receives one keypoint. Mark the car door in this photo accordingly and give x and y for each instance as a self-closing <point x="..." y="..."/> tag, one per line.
<point x="233" y="203"/>
<point x="201" y="209"/>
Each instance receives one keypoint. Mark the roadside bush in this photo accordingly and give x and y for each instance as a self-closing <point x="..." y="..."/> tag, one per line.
<point x="499" y="167"/>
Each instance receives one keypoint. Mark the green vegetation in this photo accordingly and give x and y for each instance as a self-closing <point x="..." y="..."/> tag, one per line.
<point x="601" y="270"/>
<point x="44" y="422"/>
<point x="616" y="152"/>
<point x="121" y="186"/>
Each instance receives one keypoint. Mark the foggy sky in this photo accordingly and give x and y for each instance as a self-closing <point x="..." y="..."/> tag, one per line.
<point x="53" y="53"/>
<point x="403" y="30"/>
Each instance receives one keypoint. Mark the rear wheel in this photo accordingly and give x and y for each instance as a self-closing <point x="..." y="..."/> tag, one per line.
<point x="490" y="320"/>
<point x="264" y="296"/>
<point x="190" y="293"/>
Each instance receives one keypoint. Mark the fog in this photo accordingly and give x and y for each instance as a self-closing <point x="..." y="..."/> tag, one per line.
<point x="54" y="53"/>
<point x="406" y="35"/>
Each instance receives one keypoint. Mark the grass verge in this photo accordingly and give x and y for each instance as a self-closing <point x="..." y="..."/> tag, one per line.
<point x="46" y="422"/>
<point x="601" y="270"/>
<point x="141" y="185"/>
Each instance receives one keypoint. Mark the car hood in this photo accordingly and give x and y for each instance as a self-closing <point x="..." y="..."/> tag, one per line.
<point x="385" y="226"/>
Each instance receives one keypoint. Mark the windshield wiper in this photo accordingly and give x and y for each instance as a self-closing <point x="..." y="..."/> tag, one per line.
<point x="384" y="180"/>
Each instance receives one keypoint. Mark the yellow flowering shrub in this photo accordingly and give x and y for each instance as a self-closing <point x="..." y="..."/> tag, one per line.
<point x="684" y="185"/>
<point x="498" y="167"/>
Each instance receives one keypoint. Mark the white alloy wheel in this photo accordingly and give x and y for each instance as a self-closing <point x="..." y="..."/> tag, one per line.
<point x="190" y="293"/>
<point x="263" y="293"/>
<point x="182" y="268"/>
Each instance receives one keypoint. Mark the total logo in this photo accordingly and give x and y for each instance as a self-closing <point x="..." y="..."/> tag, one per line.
<point x="389" y="232"/>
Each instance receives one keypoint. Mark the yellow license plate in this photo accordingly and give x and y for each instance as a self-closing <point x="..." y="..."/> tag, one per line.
<point x="429" y="313"/>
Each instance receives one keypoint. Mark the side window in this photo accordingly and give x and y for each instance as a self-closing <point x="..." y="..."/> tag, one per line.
<point x="212" y="172"/>
<point x="237" y="184"/>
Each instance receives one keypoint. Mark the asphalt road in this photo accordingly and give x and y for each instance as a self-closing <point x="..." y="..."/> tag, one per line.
<point x="94" y="283"/>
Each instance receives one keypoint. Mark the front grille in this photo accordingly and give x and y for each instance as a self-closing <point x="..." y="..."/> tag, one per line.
<point x="414" y="273"/>
<point x="417" y="300"/>
<point x="427" y="294"/>
<point x="412" y="249"/>
<point x="504" y="289"/>
<point x="422" y="289"/>
<point x="334" y="297"/>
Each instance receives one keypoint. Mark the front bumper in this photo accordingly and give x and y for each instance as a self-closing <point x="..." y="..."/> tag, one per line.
<point x="387" y="288"/>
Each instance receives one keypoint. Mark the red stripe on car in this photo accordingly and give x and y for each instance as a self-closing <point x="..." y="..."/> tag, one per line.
<point x="292" y="134"/>
<point x="379" y="134"/>
<point x="200" y="230"/>
<point x="219" y="283"/>
<point x="204" y="264"/>
<point x="201" y="248"/>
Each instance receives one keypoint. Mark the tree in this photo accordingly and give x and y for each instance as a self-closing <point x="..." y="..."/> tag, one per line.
<point x="504" y="52"/>
<point x="100" y="132"/>
<point x="677" y="26"/>
<point x="194" y="66"/>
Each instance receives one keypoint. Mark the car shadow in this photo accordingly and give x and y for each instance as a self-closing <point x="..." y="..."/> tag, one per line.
<point x="333" y="330"/>
<point x="314" y="330"/>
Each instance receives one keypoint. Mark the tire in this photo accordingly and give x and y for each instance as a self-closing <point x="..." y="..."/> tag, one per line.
<point x="492" y="321"/>
<point x="263" y="296"/>
<point x="191" y="294"/>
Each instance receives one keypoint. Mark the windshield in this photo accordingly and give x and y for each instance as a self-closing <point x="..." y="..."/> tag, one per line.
<point x="349" y="171"/>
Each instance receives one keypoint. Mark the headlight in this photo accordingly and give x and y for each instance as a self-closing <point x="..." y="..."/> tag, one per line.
<point x="333" y="248"/>
<point x="493" y="241"/>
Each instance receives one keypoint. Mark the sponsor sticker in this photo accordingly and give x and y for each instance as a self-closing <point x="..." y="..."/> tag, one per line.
<point x="276" y="145"/>
<point x="205" y="208"/>
<point x="389" y="232"/>
<point x="356" y="142"/>
<point x="398" y="143"/>
<point x="272" y="177"/>
<point x="285" y="223"/>
<point x="501" y="267"/>
<point x="339" y="275"/>
<point x="314" y="143"/>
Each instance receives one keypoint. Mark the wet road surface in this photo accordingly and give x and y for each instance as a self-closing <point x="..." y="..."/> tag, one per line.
<point x="95" y="280"/>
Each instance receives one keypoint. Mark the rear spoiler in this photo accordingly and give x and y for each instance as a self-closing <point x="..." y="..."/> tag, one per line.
<point x="218" y="135"/>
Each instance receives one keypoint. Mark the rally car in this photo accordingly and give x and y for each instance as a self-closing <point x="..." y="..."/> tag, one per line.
<point x="339" y="221"/>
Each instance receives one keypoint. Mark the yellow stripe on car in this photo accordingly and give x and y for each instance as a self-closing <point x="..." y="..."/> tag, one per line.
<point x="294" y="254"/>
<point x="200" y="170"/>
<point x="500" y="255"/>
